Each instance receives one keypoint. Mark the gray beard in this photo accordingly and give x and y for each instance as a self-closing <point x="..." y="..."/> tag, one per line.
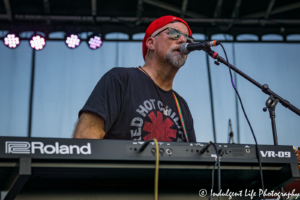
<point x="175" y="59"/>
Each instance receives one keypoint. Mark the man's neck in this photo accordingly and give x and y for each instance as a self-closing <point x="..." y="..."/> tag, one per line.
<point x="162" y="74"/>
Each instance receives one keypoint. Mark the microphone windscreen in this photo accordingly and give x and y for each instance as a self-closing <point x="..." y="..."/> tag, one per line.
<point x="183" y="48"/>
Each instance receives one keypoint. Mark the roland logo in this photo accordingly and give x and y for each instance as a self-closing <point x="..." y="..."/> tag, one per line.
<point x="22" y="147"/>
<point x="273" y="154"/>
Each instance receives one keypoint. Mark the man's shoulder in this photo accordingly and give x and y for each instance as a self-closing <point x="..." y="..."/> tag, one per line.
<point x="180" y="98"/>
<point x="120" y="72"/>
<point x="124" y="75"/>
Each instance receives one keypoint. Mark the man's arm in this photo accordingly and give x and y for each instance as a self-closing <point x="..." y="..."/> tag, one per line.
<point x="90" y="126"/>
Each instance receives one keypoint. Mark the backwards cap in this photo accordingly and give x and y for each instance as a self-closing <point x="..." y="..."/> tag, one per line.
<point x="157" y="24"/>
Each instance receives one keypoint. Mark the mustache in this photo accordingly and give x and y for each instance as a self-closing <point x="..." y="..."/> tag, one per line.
<point x="175" y="48"/>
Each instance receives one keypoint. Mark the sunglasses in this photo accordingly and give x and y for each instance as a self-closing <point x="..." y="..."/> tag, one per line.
<point x="175" y="34"/>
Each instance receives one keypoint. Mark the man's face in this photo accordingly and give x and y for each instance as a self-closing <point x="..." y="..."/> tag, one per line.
<point x="167" y="48"/>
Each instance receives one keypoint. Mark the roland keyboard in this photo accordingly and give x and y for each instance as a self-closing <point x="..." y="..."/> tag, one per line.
<point x="127" y="150"/>
<point x="77" y="163"/>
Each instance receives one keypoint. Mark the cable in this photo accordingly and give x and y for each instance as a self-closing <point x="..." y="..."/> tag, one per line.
<point x="256" y="145"/>
<point x="156" y="170"/>
<point x="219" y="169"/>
<point x="206" y="147"/>
<point x="213" y="177"/>
<point x="216" y="162"/>
<point x="156" y="164"/>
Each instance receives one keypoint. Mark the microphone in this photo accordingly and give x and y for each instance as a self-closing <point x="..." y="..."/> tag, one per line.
<point x="186" y="48"/>
<point x="231" y="133"/>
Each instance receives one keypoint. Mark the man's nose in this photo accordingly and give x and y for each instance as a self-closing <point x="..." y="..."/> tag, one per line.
<point x="181" y="39"/>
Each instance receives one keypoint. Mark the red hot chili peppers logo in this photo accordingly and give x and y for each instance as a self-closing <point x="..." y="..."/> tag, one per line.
<point x="159" y="127"/>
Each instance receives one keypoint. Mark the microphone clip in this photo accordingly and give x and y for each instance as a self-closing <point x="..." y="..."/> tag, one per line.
<point x="217" y="63"/>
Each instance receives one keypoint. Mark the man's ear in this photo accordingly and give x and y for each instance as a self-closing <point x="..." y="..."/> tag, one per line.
<point x="150" y="43"/>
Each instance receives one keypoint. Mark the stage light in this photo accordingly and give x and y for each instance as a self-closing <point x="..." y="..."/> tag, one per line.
<point x="94" y="41"/>
<point x="11" y="40"/>
<point x="72" y="41"/>
<point x="37" y="42"/>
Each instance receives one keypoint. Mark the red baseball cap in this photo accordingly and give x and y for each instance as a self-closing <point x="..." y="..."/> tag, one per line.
<point x="157" y="24"/>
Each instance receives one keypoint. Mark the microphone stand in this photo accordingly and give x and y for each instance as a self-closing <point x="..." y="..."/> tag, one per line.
<point x="271" y="102"/>
<point x="271" y="105"/>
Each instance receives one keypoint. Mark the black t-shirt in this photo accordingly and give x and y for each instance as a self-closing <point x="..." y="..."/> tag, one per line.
<point x="129" y="102"/>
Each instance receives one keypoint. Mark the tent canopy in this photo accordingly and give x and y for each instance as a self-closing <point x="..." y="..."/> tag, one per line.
<point x="234" y="17"/>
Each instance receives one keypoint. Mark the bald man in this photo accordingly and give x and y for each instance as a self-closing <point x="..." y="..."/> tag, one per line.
<point x="139" y="103"/>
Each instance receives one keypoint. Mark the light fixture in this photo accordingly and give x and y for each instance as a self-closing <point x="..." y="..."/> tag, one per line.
<point x="11" y="40"/>
<point x="94" y="41"/>
<point x="37" y="42"/>
<point x="72" y="41"/>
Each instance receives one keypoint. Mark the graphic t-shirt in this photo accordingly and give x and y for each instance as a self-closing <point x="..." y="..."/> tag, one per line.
<point x="129" y="102"/>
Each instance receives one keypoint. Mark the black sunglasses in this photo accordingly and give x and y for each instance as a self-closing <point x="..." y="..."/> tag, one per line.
<point x="174" y="33"/>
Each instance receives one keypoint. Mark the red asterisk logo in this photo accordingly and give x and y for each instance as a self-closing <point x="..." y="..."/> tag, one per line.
<point x="159" y="129"/>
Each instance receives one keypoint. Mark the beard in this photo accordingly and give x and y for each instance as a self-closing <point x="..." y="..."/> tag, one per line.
<point x="175" y="59"/>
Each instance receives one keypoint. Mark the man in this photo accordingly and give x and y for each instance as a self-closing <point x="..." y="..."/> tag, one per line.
<point x="139" y="103"/>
